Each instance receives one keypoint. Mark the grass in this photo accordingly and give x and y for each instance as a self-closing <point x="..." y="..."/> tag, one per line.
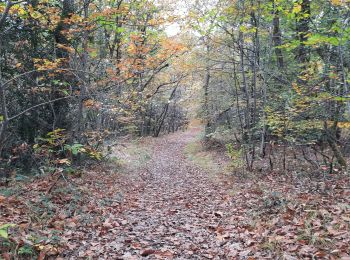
<point x="133" y="156"/>
<point x="196" y="153"/>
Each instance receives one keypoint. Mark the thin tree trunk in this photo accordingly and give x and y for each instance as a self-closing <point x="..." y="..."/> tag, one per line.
<point x="277" y="36"/>
<point x="303" y="30"/>
<point x="4" y="122"/>
<point x="164" y="113"/>
<point x="332" y="141"/>
<point x="84" y="65"/>
<point x="206" y="94"/>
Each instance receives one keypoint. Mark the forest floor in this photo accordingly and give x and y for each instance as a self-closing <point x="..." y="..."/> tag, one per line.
<point x="170" y="199"/>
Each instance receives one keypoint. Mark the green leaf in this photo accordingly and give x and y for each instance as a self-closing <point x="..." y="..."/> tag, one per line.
<point x="65" y="92"/>
<point x="333" y="41"/>
<point x="75" y="149"/>
<point x="4" y="234"/>
<point x="120" y="30"/>
<point x="4" y="230"/>
<point x="342" y="99"/>
<point x="6" y="226"/>
<point x="321" y="39"/>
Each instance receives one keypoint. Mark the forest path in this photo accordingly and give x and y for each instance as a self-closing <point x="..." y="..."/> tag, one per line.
<point x="179" y="211"/>
<point x="170" y="208"/>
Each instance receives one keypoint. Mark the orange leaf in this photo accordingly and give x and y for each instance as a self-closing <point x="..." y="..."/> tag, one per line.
<point x="2" y="199"/>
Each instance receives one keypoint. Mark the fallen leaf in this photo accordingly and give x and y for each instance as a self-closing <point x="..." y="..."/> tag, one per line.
<point x="2" y="199"/>
<point x="148" y="252"/>
<point x="6" y="256"/>
<point x="42" y="255"/>
<point x="219" y="214"/>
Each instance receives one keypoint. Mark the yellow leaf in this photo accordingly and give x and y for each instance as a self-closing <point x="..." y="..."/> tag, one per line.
<point x="296" y="88"/>
<point x="50" y="250"/>
<point x="89" y="103"/>
<point x="64" y="161"/>
<point x="344" y="124"/>
<point x="297" y="8"/>
<point x="336" y="2"/>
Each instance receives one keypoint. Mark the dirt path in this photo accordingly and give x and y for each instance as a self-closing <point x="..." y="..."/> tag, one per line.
<point x="158" y="204"/>
<point x="176" y="213"/>
<point x="172" y="209"/>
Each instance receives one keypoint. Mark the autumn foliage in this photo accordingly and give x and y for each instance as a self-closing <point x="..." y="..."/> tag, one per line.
<point x="96" y="158"/>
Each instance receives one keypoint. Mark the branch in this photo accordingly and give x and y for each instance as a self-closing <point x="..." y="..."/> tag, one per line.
<point x="7" y="10"/>
<point x="154" y="74"/>
<point x="5" y="14"/>
<point x="32" y="71"/>
<point x="168" y="83"/>
<point x="38" y="105"/>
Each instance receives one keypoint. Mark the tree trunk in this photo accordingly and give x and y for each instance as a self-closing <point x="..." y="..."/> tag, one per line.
<point x="277" y="36"/>
<point x="60" y="38"/>
<point x="206" y="94"/>
<point x="303" y="30"/>
<point x="84" y="66"/>
<point x="332" y="141"/>
<point x="4" y="121"/>
<point x="164" y="113"/>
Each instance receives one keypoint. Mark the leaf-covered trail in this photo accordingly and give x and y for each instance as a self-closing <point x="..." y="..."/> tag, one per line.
<point x="175" y="213"/>
<point x="169" y="208"/>
<point x="178" y="209"/>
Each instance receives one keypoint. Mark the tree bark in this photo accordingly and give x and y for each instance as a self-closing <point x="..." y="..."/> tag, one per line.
<point x="67" y="10"/>
<point x="303" y="30"/>
<point x="4" y="122"/>
<point x="277" y="36"/>
<point x="164" y="113"/>
<point x="84" y="66"/>
<point x="332" y="141"/>
<point x="206" y="94"/>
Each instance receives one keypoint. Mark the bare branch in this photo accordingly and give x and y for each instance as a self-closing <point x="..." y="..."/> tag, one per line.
<point x="39" y="105"/>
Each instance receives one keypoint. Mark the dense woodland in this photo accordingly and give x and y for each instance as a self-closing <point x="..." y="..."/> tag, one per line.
<point x="74" y="73"/>
<point x="273" y="76"/>
<point x="276" y="79"/>
<point x="269" y="81"/>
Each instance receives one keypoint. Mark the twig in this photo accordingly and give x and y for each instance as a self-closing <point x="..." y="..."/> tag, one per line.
<point x="54" y="184"/>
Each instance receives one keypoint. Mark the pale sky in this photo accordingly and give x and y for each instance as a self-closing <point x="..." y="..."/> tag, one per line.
<point x="181" y="9"/>
<point x="172" y="29"/>
<point x="178" y="8"/>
